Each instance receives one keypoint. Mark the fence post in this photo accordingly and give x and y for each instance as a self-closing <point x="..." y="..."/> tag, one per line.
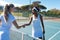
<point x="22" y="36"/>
<point x="1" y="32"/>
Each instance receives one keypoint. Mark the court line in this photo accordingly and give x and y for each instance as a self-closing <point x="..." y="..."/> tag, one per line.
<point x="54" y="35"/>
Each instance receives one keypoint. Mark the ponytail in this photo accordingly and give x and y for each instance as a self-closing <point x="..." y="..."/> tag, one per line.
<point x="7" y="10"/>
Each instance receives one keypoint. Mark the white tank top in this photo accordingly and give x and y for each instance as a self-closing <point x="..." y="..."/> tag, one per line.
<point x="37" y="27"/>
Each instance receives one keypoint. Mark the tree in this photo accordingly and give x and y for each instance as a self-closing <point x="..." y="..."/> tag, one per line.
<point x="53" y="12"/>
<point x="26" y="7"/>
<point x="17" y="9"/>
<point x="35" y="3"/>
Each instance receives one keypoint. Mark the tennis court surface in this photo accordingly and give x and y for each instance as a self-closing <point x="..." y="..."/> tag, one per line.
<point x="52" y="29"/>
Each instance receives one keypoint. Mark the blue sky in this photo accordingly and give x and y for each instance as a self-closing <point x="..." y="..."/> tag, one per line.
<point x="50" y="4"/>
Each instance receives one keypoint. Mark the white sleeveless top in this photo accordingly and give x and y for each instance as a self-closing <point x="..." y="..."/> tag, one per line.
<point x="37" y="27"/>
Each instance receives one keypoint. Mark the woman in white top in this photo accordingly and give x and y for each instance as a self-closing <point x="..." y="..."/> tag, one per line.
<point x="6" y="21"/>
<point x="38" y="26"/>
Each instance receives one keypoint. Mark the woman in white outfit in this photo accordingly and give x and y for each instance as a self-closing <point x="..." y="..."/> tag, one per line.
<point x="6" y="21"/>
<point x="38" y="26"/>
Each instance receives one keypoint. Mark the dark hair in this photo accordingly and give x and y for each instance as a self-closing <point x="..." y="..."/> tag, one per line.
<point x="7" y="10"/>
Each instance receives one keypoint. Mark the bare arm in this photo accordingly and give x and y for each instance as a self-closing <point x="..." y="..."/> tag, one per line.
<point x="16" y="25"/>
<point x="0" y="22"/>
<point x="29" y="22"/>
<point x="41" y="18"/>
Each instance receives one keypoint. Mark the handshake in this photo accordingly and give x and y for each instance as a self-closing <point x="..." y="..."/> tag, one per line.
<point x="22" y="26"/>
